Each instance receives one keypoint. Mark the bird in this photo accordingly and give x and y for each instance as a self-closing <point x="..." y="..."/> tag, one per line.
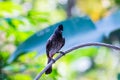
<point x="54" y="44"/>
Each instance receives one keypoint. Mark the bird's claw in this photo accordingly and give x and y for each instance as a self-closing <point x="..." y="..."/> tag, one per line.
<point x="58" y="52"/>
<point x="61" y="52"/>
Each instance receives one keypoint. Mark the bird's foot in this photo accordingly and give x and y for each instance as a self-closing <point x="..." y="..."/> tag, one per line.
<point x="58" y="52"/>
<point x="61" y="52"/>
<point x="53" y="60"/>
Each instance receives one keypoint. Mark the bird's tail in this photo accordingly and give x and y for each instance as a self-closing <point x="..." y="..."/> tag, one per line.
<point x="49" y="70"/>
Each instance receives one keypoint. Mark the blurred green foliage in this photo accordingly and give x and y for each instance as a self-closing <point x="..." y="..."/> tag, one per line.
<point x="19" y="19"/>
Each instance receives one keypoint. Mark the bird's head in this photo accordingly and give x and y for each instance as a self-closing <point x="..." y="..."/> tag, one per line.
<point x="59" y="29"/>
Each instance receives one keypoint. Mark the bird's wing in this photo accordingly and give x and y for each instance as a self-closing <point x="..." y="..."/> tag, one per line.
<point x="63" y="42"/>
<point x="48" y="47"/>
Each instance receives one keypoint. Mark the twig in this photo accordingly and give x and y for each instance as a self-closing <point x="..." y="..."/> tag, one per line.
<point x="74" y="48"/>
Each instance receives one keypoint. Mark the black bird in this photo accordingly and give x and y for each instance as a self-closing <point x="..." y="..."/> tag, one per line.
<point x="54" y="44"/>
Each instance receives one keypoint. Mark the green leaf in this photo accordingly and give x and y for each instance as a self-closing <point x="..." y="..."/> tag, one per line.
<point x="8" y="8"/>
<point x="21" y="77"/>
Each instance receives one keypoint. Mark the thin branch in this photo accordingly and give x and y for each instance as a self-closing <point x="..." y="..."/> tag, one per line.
<point x="74" y="48"/>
